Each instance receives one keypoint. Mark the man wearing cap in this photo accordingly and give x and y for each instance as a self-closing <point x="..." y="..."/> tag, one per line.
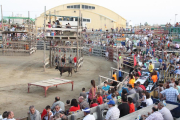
<point x="164" y="111"/>
<point x="113" y="113"/>
<point x="87" y="114"/>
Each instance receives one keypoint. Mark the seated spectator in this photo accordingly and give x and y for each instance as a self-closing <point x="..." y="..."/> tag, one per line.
<point x="149" y="101"/>
<point x="113" y="112"/>
<point x="106" y="87"/>
<point x="114" y="97"/>
<point x="124" y="92"/>
<point x="94" y="103"/>
<point x="34" y="114"/>
<point x="171" y="93"/>
<point x="83" y="93"/>
<point x="131" y="105"/>
<point x="58" y="102"/>
<point x="87" y="114"/>
<point x="74" y="106"/>
<point x="99" y="98"/>
<point x="83" y="104"/>
<point x="5" y="115"/>
<point x="131" y="90"/>
<point x="124" y="107"/>
<point x="142" y="100"/>
<point x="109" y="97"/>
<point x="131" y="80"/>
<point x="47" y="114"/>
<point x="177" y="86"/>
<point x="138" y="90"/>
<point x="164" y="111"/>
<point x="57" y="116"/>
<point x="67" y="106"/>
<point x="154" y="76"/>
<point x="141" y="86"/>
<point x="10" y="116"/>
<point x="63" y="116"/>
<point x="155" y="115"/>
<point x="57" y="109"/>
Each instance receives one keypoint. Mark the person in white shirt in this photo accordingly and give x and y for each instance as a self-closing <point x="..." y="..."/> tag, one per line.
<point x="10" y="115"/>
<point x="176" y="46"/>
<point x="155" y="115"/>
<point x="5" y="115"/>
<point x="49" y="113"/>
<point x="113" y="113"/>
<point x="148" y="99"/>
<point x="164" y="111"/>
<point x="87" y="114"/>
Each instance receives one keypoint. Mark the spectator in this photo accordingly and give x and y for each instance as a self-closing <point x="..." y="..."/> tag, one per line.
<point x="63" y="116"/>
<point x="131" y="105"/>
<point x="164" y="111"/>
<point x="141" y="86"/>
<point x="99" y="98"/>
<point x="155" y="115"/>
<point x="114" y="75"/>
<point x="106" y="87"/>
<point x="47" y="114"/>
<point x="75" y="61"/>
<point x="113" y="112"/>
<point x="138" y="89"/>
<point x="177" y="86"/>
<point x="149" y="101"/>
<point x="87" y="114"/>
<point x="74" y="106"/>
<point x="109" y="97"/>
<point x="124" y="107"/>
<point x="120" y="74"/>
<point x="5" y="115"/>
<point x="92" y="91"/>
<point x="170" y="93"/>
<point x="83" y="93"/>
<point x="70" y="59"/>
<point x="34" y="114"/>
<point x="131" y="80"/>
<point x="83" y="104"/>
<point x="124" y="92"/>
<point x="57" y="109"/>
<point x="154" y="76"/>
<point x="114" y="97"/>
<point x="67" y="106"/>
<point x="142" y="100"/>
<point x="58" y="102"/>
<point x="131" y="90"/>
<point x="57" y="116"/>
<point x="150" y="68"/>
<point x="94" y="103"/>
<point x="10" y="116"/>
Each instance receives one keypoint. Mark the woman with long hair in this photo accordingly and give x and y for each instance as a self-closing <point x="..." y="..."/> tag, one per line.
<point x="92" y="91"/>
<point x="74" y="106"/>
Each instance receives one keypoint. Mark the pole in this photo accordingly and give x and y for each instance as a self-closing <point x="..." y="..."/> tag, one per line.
<point x="44" y="38"/>
<point x="50" y="59"/>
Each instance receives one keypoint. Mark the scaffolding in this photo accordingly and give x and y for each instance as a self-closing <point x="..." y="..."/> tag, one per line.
<point x="66" y="42"/>
<point x="18" y="39"/>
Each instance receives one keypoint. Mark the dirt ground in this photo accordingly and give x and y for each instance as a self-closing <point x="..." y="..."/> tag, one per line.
<point x="17" y="71"/>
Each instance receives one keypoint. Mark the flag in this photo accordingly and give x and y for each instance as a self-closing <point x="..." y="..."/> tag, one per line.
<point x="135" y="60"/>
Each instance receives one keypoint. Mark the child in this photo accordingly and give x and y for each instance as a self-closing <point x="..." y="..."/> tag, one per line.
<point x="83" y="93"/>
<point x="67" y="106"/>
<point x="142" y="100"/>
<point x="94" y="103"/>
<point x="47" y="114"/>
<point x="131" y="105"/>
<point x="99" y="98"/>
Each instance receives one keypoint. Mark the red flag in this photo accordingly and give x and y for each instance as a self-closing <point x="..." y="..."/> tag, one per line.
<point x="135" y="60"/>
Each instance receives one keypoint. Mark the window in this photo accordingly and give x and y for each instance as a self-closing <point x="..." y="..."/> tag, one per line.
<point x="72" y="6"/>
<point x="89" y="7"/>
<point x="76" y="19"/>
<point x="83" y="6"/>
<point x="78" y="6"/>
<point x="75" y="6"/>
<point x="88" y="20"/>
<point x="84" y="20"/>
<point x="93" y="7"/>
<point x="71" y="19"/>
<point x="68" y="6"/>
<point x="60" y="19"/>
<point x="86" y="7"/>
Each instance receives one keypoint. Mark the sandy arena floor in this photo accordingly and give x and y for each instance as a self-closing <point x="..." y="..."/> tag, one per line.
<point x="17" y="71"/>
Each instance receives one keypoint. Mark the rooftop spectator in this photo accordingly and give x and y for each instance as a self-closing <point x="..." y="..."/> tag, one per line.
<point x="58" y="102"/>
<point x="131" y="90"/>
<point x="83" y="104"/>
<point x="155" y="115"/>
<point x="83" y="93"/>
<point x="164" y="111"/>
<point x="34" y="114"/>
<point x="170" y="93"/>
<point x="87" y="114"/>
<point x="131" y="105"/>
<point x="113" y="112"/>
<point x="124" y="107"/>
<point x="74" y="106"/>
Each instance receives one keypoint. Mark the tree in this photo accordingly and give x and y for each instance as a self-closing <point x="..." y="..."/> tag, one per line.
<point x="4" y="21"/>
<point x="145" y="24"/>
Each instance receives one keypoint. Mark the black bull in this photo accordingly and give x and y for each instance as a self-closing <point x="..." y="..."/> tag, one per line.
<point x="64" y="69"/>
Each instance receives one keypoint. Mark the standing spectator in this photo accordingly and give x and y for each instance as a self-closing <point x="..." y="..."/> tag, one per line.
<point x="138" y="89"/>
<point x="54" y="25"/>
<point x="87" y="114"/>
<point x="70" y="59"/>
<point x="131" y="80"/>
<point x="83" y="104"/>
<point x="92" y="91"/>
<point x="113" y="113"/>
<point x="75" y="61"/>
<point x="170" y="93"/>
<point x="149" y="101"/>
<point x="114" y="75"/>
<point x="131" y="105"/>
<point x="34" y="114"/>
<point x="83" y="93"/>
<point x="99" y="98"/>
<point x="150" y="68"/>
<point x="120" y="75"/>
<point x="49" y="25"/>
<point x="164" y="111"/>
<point x="94" y="103"/>
<point x="124" y="107"/>
<point x="58" y="102"/>
<point x="5" y="115"/>
<point x="74" y="106"/>
<point x="131" y="90"/>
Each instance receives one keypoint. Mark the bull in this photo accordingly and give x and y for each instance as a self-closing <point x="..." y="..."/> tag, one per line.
<point x="64" y="69"/>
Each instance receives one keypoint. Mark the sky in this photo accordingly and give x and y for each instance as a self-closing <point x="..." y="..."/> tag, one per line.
<point x="138" y="11"/>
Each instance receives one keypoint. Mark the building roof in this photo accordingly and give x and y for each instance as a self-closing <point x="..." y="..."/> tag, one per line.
<point x="6" y="17"/>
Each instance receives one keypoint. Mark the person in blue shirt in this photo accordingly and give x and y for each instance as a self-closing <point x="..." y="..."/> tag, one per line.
<point x="106" y="87"/>
<point x="120" y="75"/>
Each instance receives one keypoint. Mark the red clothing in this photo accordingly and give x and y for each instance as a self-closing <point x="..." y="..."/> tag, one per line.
<point x="73" y="108"/>
<point x="100" y="100"/>
<point x="93" y="105"/>
<point x="139" y="73"/>
<point x="142" y="86"/>
<point x="75" y="59"/>
<point x="44" y="113"/>
<point x="131" y="108"/>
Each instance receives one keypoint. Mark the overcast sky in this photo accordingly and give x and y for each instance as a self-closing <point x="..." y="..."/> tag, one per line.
<point x="138" y="11"/>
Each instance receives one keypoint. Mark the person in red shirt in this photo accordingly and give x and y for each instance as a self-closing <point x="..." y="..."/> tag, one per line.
<point x="99" y="98"/>
<point x="74" y="106"/>
<point x="141" y="86"/>
<point x="94" y="103"/>
<point x="131" y="105"/>
<point x="75" y="60"/>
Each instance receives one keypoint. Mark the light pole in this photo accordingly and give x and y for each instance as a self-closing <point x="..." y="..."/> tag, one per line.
<point x="175" y="18"/>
